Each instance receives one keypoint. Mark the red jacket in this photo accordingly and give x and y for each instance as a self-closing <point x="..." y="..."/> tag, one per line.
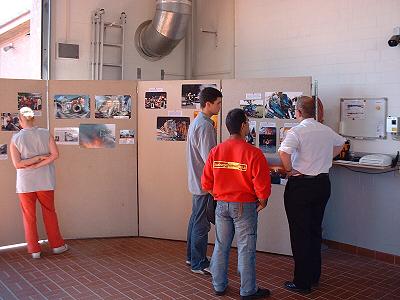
<point x="236" y="171"/>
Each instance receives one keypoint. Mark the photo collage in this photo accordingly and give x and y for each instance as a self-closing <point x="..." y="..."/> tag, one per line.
<point x="93" y="136"/>
<point x="266" y="111"/>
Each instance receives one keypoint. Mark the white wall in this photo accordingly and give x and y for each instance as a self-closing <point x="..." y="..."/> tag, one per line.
<point x="71" y="23"/>
<point x="214" y="54"/>
<point x="24" y="61"/>
<point x="343" y="45"/>
<point x="340" y="43"/>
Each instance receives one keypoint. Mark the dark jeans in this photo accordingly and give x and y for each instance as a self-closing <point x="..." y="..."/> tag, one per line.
<point x="305" y="202"/>
<point x="197" y="234"/>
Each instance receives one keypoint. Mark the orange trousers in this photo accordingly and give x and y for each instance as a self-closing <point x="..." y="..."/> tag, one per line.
<point x="28" y="205"/>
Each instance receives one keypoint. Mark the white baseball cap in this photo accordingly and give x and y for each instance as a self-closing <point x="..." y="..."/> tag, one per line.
<point x="26" y="112"/>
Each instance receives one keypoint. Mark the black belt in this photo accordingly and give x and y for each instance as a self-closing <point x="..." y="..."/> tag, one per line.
<point x="321" y="175"/>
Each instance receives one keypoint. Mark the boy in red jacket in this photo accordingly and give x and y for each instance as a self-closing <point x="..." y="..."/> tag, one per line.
<point x="237" y="175"/>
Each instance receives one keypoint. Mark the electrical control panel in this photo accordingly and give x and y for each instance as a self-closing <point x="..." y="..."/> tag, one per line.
<point x="392" y="125"/>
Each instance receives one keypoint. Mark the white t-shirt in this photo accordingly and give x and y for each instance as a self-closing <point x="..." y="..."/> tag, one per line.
<point x="31" y="142"/>
<point x="311" y="145"/>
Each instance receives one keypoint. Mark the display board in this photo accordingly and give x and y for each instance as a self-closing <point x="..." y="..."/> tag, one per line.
<point x="164" y="200"/>
<point x="96" y="177"/>
<point x="15" y="94"/>
<point x="269" y="104"/>
<point x="363" y="118"/>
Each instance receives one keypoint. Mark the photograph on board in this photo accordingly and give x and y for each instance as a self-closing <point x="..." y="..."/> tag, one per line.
<point x="172" y="128"/>
<point x="71" y="106"/>
<point x="155" y="100"/>
<point x="281" y="105"/>
<point x="267" y="137"/>
<point x="66" y="135"/>
<point x="31" y="100"/>
<point x="113" y="107"/>
<point x="251" y="137"/>
<point x="253" y="108"/>
<point x="190" y="95"/>
<point x="127" y="137"/>
<point x="96" y="136"/>
<point x="3" y="151"/>
<point x="9" y="122"/>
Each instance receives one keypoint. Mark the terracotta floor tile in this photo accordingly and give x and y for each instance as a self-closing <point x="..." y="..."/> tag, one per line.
<point x="135" y="268"/>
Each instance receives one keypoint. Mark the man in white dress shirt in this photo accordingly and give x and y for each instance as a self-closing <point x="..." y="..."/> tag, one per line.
<point x="306" y="155"/>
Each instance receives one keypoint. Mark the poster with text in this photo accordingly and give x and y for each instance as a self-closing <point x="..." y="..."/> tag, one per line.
<point x="3" y="152"/>
<point x="253" y="108"/>
<point x="113" y="107"/>
<point x="281" y="105"/>
<point x="172" y="128"/>
<point x="251" y="137"/>
<point x="71" y="106"/>
<point x="283" y="130"/>
<point x="31" y="100"/>
<point x="96" y="136"/>
<point x="267" y="137"/>
<point x="10" y="122"/>
<point x="66" y="135"/>
<point x="127" y="137"/>
<point x="155" y="100"/>
<point x="190" y="95"/>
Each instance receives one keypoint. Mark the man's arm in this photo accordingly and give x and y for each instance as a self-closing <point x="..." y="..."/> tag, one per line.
<point x="207" y="179"/>
<point x="261" y="181"/>
<point x="23" y="163"/>
<point x="54" y="154"/>
<point x="286" y="159"/>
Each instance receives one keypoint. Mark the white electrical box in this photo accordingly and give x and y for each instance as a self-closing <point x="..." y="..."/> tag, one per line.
<point x="392" y="125"/>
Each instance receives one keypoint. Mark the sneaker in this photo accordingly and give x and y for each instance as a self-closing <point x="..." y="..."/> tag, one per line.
<point x="261" y="293"/>
<point x="36" y="255"/>
<point x="205" y="271"/>
<point x="188" y="261"/>
<point x="60" y="249"/>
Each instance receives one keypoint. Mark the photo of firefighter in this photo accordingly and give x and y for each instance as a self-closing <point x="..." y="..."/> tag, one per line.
<point x="113" y="107"/>
<point x="96" y="136"/>
<point x="281" y="105"/>
<point x="267" y="139"/>
<point x="172" y="128"/>
<point x="190" y="95"/>
<point x="251" y="137"/>
<point x="253" y="108"/>
<point x="3" y="151"/>
<point x="31" y="100"/>
<point x="155" y="100"/>
<point x="10" y="122"/>
<point x="71" y="106"/>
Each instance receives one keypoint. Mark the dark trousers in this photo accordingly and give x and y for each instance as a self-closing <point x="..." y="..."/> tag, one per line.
<point x="305" y="202"/>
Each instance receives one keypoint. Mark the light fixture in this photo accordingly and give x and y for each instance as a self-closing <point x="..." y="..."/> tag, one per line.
<point x="8" y="47"/>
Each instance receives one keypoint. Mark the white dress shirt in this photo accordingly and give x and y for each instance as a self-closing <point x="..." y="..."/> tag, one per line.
<point x="311" y="146"/>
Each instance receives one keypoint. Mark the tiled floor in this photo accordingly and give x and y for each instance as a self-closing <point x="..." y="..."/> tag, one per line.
<point x="142" y="268"/>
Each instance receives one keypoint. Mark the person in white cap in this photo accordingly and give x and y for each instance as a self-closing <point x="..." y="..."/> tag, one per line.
<point x="33" y="151"/>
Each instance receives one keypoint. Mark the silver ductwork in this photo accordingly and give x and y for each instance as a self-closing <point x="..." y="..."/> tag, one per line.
<point x="156" y="38"/>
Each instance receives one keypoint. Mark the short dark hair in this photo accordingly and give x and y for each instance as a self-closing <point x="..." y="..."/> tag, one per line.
<point x="306" y="105"/>
<point x="208" y="94"/>
<point x="234" y="120"/>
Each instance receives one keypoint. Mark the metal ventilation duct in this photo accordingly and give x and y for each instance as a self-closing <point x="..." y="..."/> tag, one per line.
<point x="156" y="38"/>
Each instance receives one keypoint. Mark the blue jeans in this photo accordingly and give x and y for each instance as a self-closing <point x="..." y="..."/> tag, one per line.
<point x="197" y="234"/>
<point x="231" y="217"/>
